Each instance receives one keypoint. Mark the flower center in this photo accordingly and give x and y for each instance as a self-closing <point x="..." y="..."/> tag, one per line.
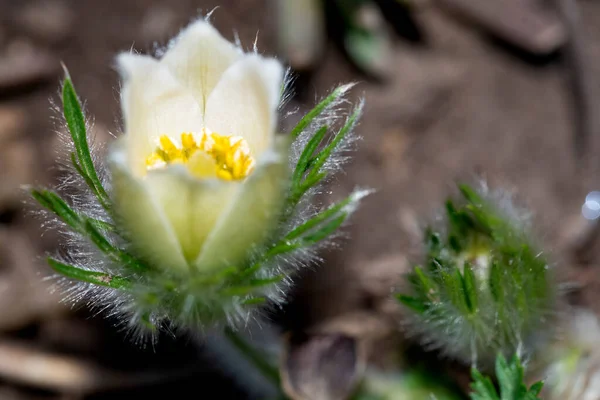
<point x="227" y="156"/>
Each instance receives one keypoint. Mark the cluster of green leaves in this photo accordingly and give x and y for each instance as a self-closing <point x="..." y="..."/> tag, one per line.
<point x="96" y="231"/>
<point x="199" y="298"/>
<point x="511" y="383"/>
<point x="483" y="288"/>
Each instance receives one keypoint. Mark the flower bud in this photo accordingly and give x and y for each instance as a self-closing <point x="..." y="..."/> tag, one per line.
<point x="483" y="289"/>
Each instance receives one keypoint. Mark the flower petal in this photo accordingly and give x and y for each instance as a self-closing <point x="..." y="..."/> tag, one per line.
<point x="142" y="216"/>
<point x="191" y="205"/>
<point x="247" y="221"/>
<point x="154" y="103"/>
<point x="198" y="56"/>
<point x="244" y="102"/>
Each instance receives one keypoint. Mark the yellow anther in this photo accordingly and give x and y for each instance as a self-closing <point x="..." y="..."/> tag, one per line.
<point x="231" y="154"/>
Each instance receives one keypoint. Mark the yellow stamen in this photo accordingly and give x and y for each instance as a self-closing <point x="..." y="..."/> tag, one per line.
<point x="230" y="154"/>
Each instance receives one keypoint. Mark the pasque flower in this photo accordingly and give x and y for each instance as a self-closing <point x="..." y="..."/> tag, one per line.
<point x="198" y="176"/>
<point x="201" y="209"/>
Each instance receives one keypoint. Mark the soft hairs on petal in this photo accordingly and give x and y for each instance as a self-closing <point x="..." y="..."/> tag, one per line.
<point x="142" y="216"/>
<point x="198" y="57"/>
<point x="154" y="103"/>
<point x="245" y="101"/>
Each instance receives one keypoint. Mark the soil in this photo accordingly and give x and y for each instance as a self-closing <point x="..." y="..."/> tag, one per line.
<point x="453" y="106"/>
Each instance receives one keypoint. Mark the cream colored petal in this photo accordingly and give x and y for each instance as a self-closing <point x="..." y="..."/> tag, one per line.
<point x="192" y="206"/>
<point x="154" y="104"/>
<point x="250" y="218"/>
<point x="198" y="56"/>
<point x="244" y="102"/>
<point x="141" y="215"/>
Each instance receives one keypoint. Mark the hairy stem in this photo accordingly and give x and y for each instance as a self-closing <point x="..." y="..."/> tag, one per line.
<point x="254" y="356"/>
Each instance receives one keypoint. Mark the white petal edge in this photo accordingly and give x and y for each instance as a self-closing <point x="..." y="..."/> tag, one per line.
<point x="244" y="102"/>
<point x="198" y="56"/>
<point x="192" y="206"/>
<point x="154" y="103"/>
<point x="140" y="214"/>
<point x="250" y="218"/>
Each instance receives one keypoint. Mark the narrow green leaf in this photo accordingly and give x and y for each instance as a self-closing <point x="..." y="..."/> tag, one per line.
<point x="483" y="388"/>
<point x="76" y="123"/>
<point x="81" y="172"/>
<point x="426" y="283"/>
<point x="510" y="381"/>
<point x="496" y="283"/>
<point x="319" y="109"/>
<point x="254" y="301"/>
<point x="453" y="284"/>
<point x="102" y="225"/>
<point x="307" y="155"/>
<point x="432" y="239"/>
<point x="308" y="183"/>
<point x="319" y="218"/>
<point x="281" y="248"/>
<point x="117" y="255"/>
<point x="470" y="194"/>
<point x="536" y="388"/>
<point x="94" y="277"/>
<point x="325" y="230"/>
<point x="58" y="206"/>
<point x="412" y="303"/>
<point x="251" y="286"/>
<point x="266" y="281"/>
<point x="470" y="288"/>
<point x="324" y="154"/>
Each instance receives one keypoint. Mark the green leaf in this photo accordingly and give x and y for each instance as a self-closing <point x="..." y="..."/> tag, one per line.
<point x="306" y="158"/>
<point x="470" y="288"/>
<point x="453" y="284"/>
<point x="496" y="288"/>
<point x="319" y="109"/>
<point x="412" y="303"/>
<point x="251" y="286"/>
<point x="324" y="154"/>
<point x="89" y="227"/>
<point x="426" y="285"/>
<point x="470" y="194"/>
<point x="117" y="255"/>
<point x="94" y="277"/>
<point x="510" y="381"/>
<point x="58" y="206"/>
<point x="536" y="388"/>
<point x="483" y="388"/>
<point x="254" y="301"/>
<point x="76" y="123"/>
<point x="321" y="217"/>
<point x="325" y="230"/>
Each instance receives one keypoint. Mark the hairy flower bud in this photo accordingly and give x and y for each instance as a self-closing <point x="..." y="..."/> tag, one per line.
<point x="483" y="289"/>
<point x="200" y="212"/>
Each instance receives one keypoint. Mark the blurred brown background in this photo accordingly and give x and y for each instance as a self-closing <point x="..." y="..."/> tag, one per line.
<point x="453" y="98"/>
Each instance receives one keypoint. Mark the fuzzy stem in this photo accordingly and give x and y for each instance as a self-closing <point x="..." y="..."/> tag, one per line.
<point x="254" y="356"/>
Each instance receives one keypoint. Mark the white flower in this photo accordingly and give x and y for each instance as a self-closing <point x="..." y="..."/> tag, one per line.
<point x="198" y="178"/>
